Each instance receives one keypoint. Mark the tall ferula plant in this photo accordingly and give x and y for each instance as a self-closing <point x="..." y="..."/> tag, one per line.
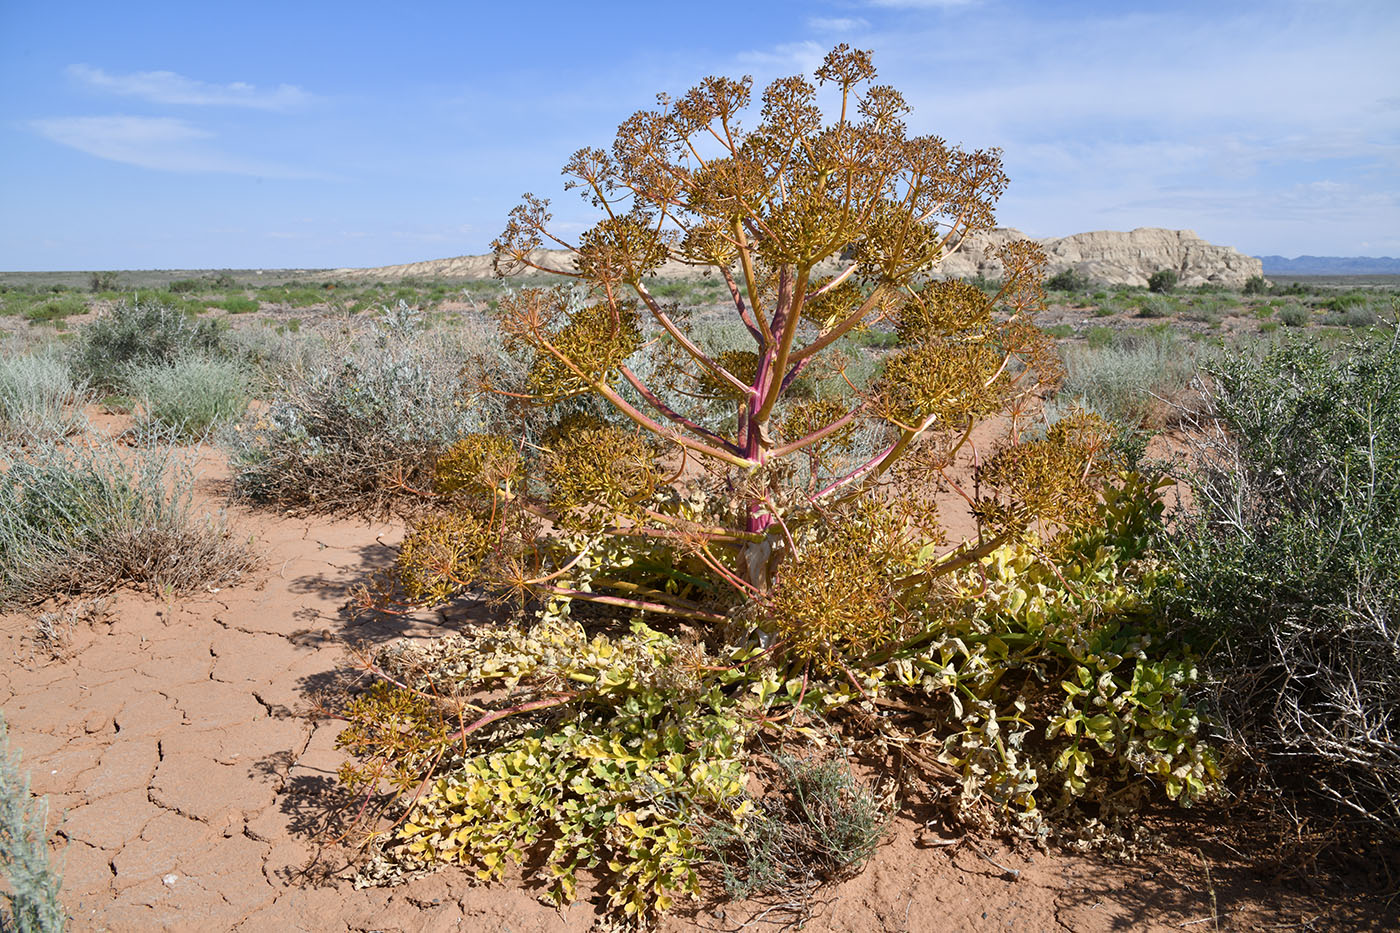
<point x="731" y="486"/>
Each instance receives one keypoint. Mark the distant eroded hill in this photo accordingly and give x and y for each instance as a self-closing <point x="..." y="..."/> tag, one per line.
<point x="1111" y="257"/>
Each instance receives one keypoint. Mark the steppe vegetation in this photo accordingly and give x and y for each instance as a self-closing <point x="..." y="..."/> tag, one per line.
<point x="772" y="556"/>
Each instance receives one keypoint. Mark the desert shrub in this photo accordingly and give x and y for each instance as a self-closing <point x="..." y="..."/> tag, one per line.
<point x="272" y="355"/>
<point x="1293" y="315"/>
<point x="102" y="282"/>
<point x="1162" y="281"/>
<point x="1069" y="280"/>
<point x="1353" y="315"/>
<point x="1128" y="378"/>
<point x="1155" y="307"/>
<point x="773" y="549"/>
<point x="139" y="333"/>
<point x="1206" y="310"/>
<point x="362" y="419"/>
<point x="1256" y="285"/>
<point x="187" y="398"/>
<point x="1291" y="565"/>
<point x="87" y="519"/>
<point x="816" y="823"/>
<point x="1346" y="301"/>
<point x="31" y="882"/>
<point x="39" y="400"/>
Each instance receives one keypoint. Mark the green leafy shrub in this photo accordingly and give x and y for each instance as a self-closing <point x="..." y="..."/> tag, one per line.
<point x="1291" y="565"/>
<point x="187" y="398"/>
<point x="31" y="883"/>
<point x="1293" y="315"/>
<point x="1162" y="281"/>
<point x="39" y="402"/>
<point x="359" y="421"/>
<point x="140" y="333"/>
<point x="87" y="519"/>
<point x="617" y="785"/>
<point x="1256" y="285"/>
<point x="1069" y="280"/>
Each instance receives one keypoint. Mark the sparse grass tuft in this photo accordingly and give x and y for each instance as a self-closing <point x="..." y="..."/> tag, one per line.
<point x="188" y="398"/>
<point x="818" y="824"/>
<point x="31" y="883"/>
<point x="1124" y="379"/>
<point x="84" y="520"/>
<point x="38" y="399"/>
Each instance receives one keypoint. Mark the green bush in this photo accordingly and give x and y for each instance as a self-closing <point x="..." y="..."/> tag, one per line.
<point x="1293" y="316"/>
<point x="1256" y="285"/>
<point x="1162" y="281"/>
<point x="237" y="304"/>
<point x="1069" y="280"/>
<point x="186" y="399"/>
<point x="139" y="333"/>
<point x="31" y="883"/>
<point x="54" y="310"/>
<point x="1291" y="565"/>
<point x="39" y="400"/>
<point x="86" y="519"/>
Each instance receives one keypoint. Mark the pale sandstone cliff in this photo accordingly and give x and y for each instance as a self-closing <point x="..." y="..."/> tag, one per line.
<point x="1106" y="256"/>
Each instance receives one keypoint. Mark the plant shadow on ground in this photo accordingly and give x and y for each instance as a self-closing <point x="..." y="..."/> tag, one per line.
<point x="1214" y="865"/>
<point x="319" y="808"/>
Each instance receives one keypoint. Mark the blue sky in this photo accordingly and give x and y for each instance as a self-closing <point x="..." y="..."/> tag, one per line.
<point x="190" y="135"/>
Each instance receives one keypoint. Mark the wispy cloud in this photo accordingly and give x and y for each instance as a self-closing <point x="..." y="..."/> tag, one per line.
<point x="787" y="58"/>
<point x="921" y="4"/>
<point x="159" y="143"/>
<point x="167" y="87"/>
<point x="837" y="24"/>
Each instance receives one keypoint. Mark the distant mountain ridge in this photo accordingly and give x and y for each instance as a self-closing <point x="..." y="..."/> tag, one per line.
<point x="1330" y="265"/>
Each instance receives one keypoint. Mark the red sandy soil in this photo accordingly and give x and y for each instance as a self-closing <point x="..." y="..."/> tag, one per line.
<point x="189" y="790"/>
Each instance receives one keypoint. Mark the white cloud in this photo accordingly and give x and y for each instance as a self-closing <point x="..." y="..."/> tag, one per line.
<point x="837" y="24"/>
<point x="167" y="87"/>
<point x="159" y="143"/>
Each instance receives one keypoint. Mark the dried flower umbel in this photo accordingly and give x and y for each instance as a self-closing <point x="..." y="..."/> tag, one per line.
<point x="819" y="227"/>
